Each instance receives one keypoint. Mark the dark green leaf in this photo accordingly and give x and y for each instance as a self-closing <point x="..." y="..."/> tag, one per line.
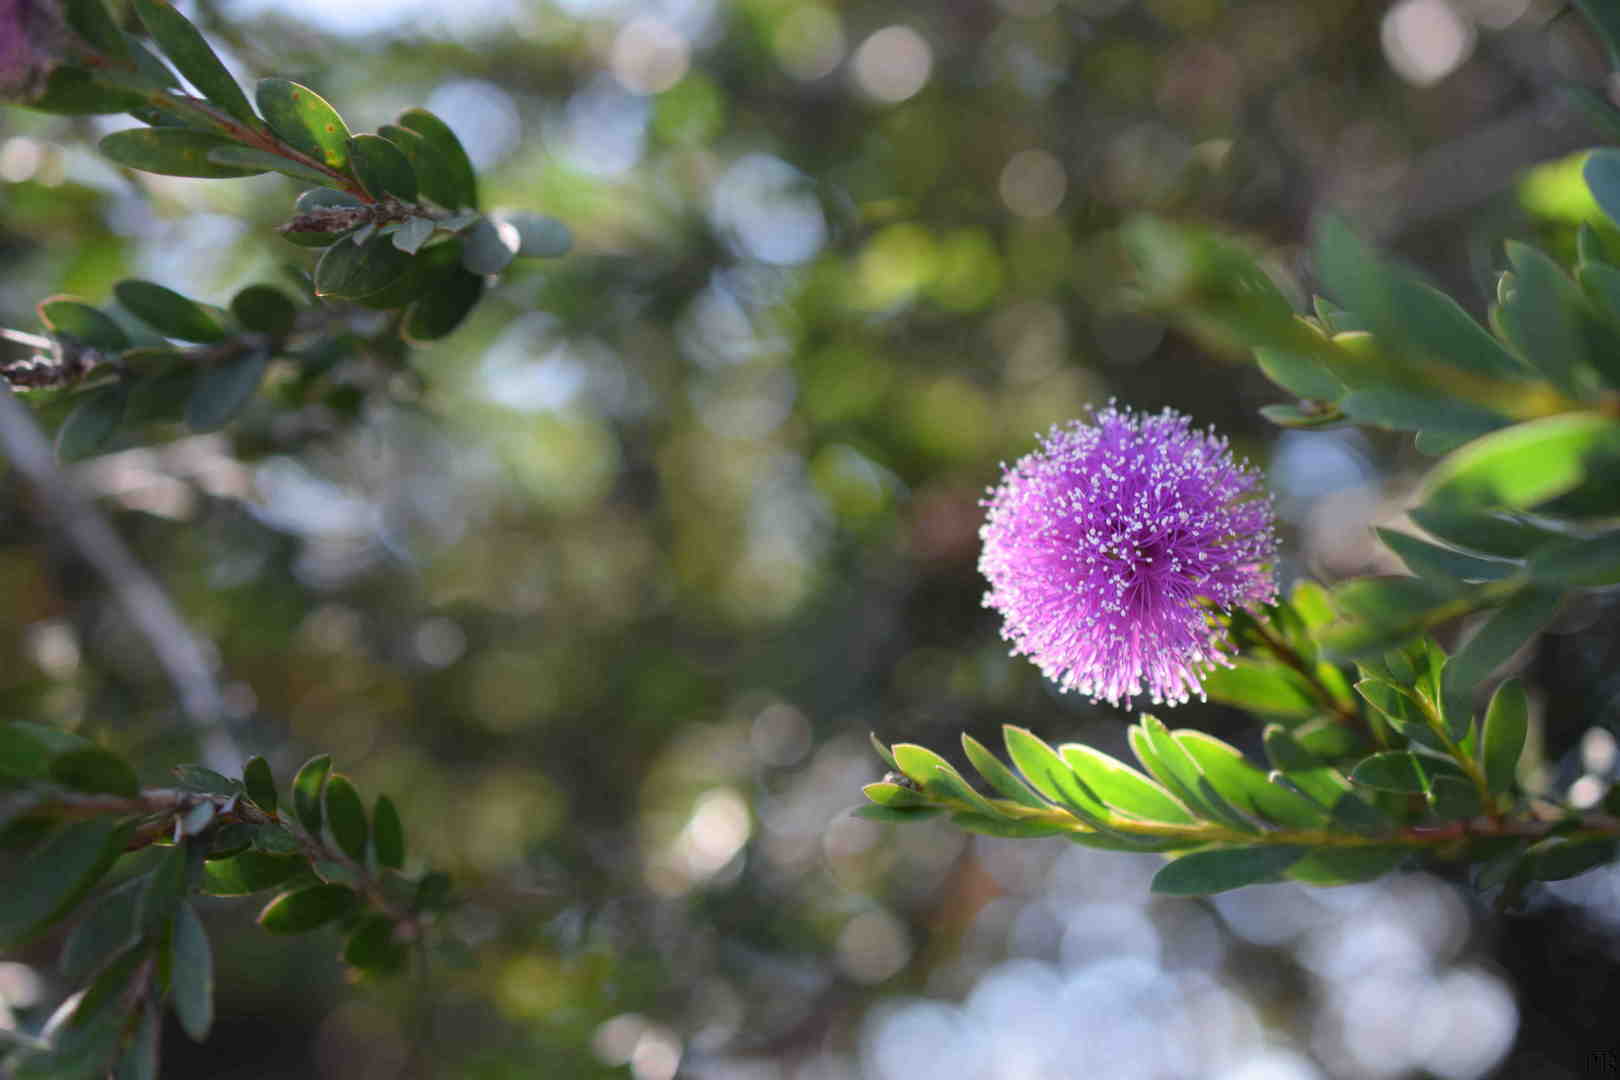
<point x="305" y="909"/>
<point x="896" y="815"/>
<point x="412" y="234"/>
<point x="260" y="784"/>
<point x="56" y="875"/>
<point x="1318" y="781"/>
<point x="489" y="246"/>
<point x="1383" y="613"/>
<point x="172" y="152"/>
<point x="442" y="308"/>
<point x="1505" y="536"/>
<point x="1503" y="634"/>
<point x="97" y="771"/>
<point x="1506" y="722"/>
<point x="248" y="872"/>
<point x="183" y="44"/>
<point x="247" y="157"/>
<point x="265" y="309"/>
<point x="191" y="974"/>
<point x="275" y="839"/>
<point x="89" y="19"/>
<point x="539" y="236"/>
<point x="371" y="946"/>
<point x="326" y="198"/>
<point x="1454" y="798"/>
<point x="304" y="120"/>
<point x="23" y="755"/>
<point x="164" y="888"/>
<point x="1605" y="19"/>
<point x="1431" y="560"/>
<point x="998" y="776"/>
<point x="387" y="834"/>
<point x="432" y="892"/>
<point x="382" y="167"/>
<point x="1346" y="866"/>
<point x="224" y="390"/>
<point x="306" y="790"/>
<point x="1393" y="770"/>
<point x="447" y="149"/>
<point x="432" y="178"/>
<point x="1436" y="415"/>
<point x="231" y="838"/>
<point x="206" y="781"/>
<point x="140" y="1057"/>
<point x="1303" y="418"/>
<point x="73" y="318"/>
<point x="94" y="421"/>
<point x="1593" y="561"/>
<point x="72" y="91"/>
<point x="1558" y="859"/>
<point x="345" y="816"/>
<point x="1200" y="873"/>
<point x="106" y="930"/>
<point x="373" y="273"/>
<point x="166" y="311"/>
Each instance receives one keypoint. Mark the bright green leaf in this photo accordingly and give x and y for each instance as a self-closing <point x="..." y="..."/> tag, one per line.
<point x="307" y="787"/>
<point x="305" y="121"/>
<point x="1122" y="787"/>
<point x="249" y="872"/>
<point x="998" y="776"/>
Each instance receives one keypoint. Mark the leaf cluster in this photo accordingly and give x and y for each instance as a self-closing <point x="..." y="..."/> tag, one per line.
<point x="129" y="868"/>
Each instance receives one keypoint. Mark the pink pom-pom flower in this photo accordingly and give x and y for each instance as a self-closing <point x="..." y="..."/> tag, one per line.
<point x="1104" y="548"/>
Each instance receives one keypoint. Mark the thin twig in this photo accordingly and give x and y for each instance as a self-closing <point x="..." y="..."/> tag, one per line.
<point x="178" y="651"/>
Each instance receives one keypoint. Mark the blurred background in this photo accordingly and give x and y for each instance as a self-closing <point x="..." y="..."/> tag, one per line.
<point x="608" y="589"/>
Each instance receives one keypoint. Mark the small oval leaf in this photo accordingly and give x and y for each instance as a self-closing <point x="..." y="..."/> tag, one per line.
<point x="191" y="974"/>
<point x="387" y="834"/>
<point x="444" y="145"/>
<point x="260" y="784"/>
<point x="169" y="313"/>
<point x="304" y="120"/>
<point x="306" y="909"/>
<point x="225" y="389"/>
<point x="382" y="167"/>
<point x="265" y="309"/>
<point x="345" y="816"/>
<point x="306" y="789"/>
<point x="172" y="152"/>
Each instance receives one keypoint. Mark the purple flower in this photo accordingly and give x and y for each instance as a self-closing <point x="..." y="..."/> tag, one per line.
<point x="1100" y="545"/>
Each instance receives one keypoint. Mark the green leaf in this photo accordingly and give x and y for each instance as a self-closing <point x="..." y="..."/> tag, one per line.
<point x="1393" y="770"/>
<point x="1505" y="536"/>
<point x="998" y="776"/>
<point x="231" y="838"/>
<point x="260" y="784"/>
<point x="1172" y="767"/>
<point x="89" y="19"/>
<point x="1431" y="560"/>
<point x="432" y="892"/>
<point x="371" y="946"/>
<point x="306" y="909"/>
<point x="1347" y="866"/>
<point x="274" y="839"/>
<point x="895" y="796"/>
<point x="1122" y="787"/>
<point x="166" y="311"/>
<point x="1557" y="859"/>
<point x="938" y="777"/>
<point x="1435" y="414"/>
<point x="896" y="815"/>
<point x="248" y="157"/>
<point x="191" y="974"/>
<point x="306" y="790"/>
<point x="1383" y="613"/>
<point x="1008" y="827"/>
<point x="1403" y="311"/>
<point x="432" y="177"/>
<point x="373" y="273"/>
<point x="93" y="423"/>
<point x="107" y="929"/>
<point x="387" y="834"/>
<point x="442" y="308"/>
<point x="345" y="816"/>
<point x="265" y="309"/>
<point x="1246" y="787"/>
<point x="249" y="872"/>
<point x="1300" y="374"/>
<point x="382" y="168"/>
<point x="97" y="771"/>
<point x="304" y="121"/>
<point x="165" y="886"/>
<point x="412" y="234"/>
<point x="72" y="91"/>
<point x="1522" y="466"/>
<point x="207" y="781"/>
<point x="1048" y="774"/>
<point x="172" y="152"/>
<point x="56" y="875"/>
<point x="1593" y="561"/>
<point x="883" y="751"/>
<point x="183" y="44"/>
<point x="539" y="236"/>
<point x="23" y="755"/>
<point x="1506" y="723"/>
<point x="67" y="316"/>
<point x="140" y="1058"/>
<point x="1263" y="686"/>
<point x="489" y="246"/>
<point x="441" y="142"/>
<point x="1503" y="634"/>
<point x="224" y="390"/>
<point x="1319" y="782"/>
<point x="1200" y="873"/>
<point x="1302" y="418"/>
<point x="1605" y="19"/>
